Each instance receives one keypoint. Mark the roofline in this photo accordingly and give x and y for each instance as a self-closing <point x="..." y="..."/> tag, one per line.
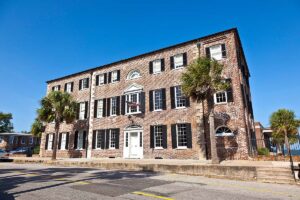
<point x="16" y="134"/>
<point x="149" y="53"/>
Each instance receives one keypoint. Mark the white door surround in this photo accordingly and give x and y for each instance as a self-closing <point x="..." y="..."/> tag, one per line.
<point x="133" y="143"/>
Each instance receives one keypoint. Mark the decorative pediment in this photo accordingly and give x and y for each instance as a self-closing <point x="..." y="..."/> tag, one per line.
<point x="133" y="87"/>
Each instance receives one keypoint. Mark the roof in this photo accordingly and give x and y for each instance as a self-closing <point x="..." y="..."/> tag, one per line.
<point x="16" y="134"/>
<point x="153" y="52"/>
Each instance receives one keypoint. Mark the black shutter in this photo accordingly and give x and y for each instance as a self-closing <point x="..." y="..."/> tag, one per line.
<point x="97" y="80"/>
<point x="53" y="141"/>
<point x="229" y="92"/>
<point x="151" y="100"/>
<point x="164" y="104"/>
<point x="174" y="136"/>
<point x="162" y="62"/>
<point x="77" y="110"/>
<point x="184" y="56"/>
<point x="243" y="94"/>
<point x="123" y="104"/>
<point x="223" y="47"/>
<point x="95" y="108"/>
<point x="189" y="135"/>
<point x="52" y="88"/>
<point x="165" y="136"/>
<point x="172" y="62"/>
<point x="84" y="140"/>
<point x="47" y="139"/>
<point x="107" y="139"/>
<point x="59" y="140"/>
<point x="67" y="141"/>
<point x="72" y="85"/>
<point x="187" y="101"/>
<point x="151" y="136"/>
<point x="87" y="82"/>
<point x="118" y="75"/>
<point x="104" y="107"/>
<point x="94" y="140"/>
<point x="105" y="78"/>
<point x="65" y="87"/>
<point x="58" y="87"/>
<point x="207" y="51"/>
<point x="86" y="107"/>
<point x="108" y="106"/>
<point x="75" y="139"/>
<point x="117" y="138"/>
<point x="118" y="105"/>
<point x="109" y="77"/>
<point x="172" y="95"/>
<point x="150" y="67"/>
<point x="142" y="102"/>
<point x="102" y="136"/>
<point x="80" y="84"/>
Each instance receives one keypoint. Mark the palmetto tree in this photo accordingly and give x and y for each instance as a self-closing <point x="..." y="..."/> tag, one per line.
<point x="37" y="128"/>
<point x="57" y="107"/>
<point x="200" y="81"/>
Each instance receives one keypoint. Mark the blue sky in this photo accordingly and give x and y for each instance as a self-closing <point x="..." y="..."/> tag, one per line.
<point x="42" y="40"/>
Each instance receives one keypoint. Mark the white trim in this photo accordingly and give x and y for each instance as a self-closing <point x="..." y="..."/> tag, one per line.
<point x="180" y="147"/>
<point x="215" y="97"/>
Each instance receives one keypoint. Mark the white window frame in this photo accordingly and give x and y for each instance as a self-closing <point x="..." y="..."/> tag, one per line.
<point x="56" y="88"/>
<point x="11" y="140"/>
<point x="217" y="55"/>
<point x="101" y="79"/>
<point x="177" y="137"/>
<point x="132" y="72"/>
<point x="98" y="136"/>
<point x="31" y="140"/>
<point x="175" y="97"/>
<point x="156" y="64"/>
<point x="112" y="132"/>
<point x="216" y="98"/>
<point x="69" y="87"/>
<point x="81" y="110"/>
<point x="99" y="108"/>
<point x="83" y="81"/>
<point x="128" y="97"/>
<point x="114" y="76"/>
<point x="63" y="141"/>
<point x="23" y="140"/>
<point x="50" y="141"/>
<point x="113" y="109"/>
<point x="155" y="136"/>
<point x="178" y="64"/>
<point x="80" y="140"/>
<point x="224" y="133"/>
<point x="154" y="100"/>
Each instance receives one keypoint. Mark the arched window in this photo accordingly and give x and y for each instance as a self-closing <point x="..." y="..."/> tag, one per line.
<point x="134" y="74"/>
<point x="224" y="131"/>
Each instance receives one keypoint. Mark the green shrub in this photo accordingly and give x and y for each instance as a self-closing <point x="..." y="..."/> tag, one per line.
<point x="263" y="151"/>
<point x="36" y="150"/>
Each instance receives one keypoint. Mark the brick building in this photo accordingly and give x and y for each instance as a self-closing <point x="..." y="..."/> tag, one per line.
<point x="134" y="108"/>
<point x="11" y="141"/>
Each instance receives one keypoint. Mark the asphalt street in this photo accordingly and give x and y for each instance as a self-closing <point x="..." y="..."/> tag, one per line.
<point x="39" y="182"/>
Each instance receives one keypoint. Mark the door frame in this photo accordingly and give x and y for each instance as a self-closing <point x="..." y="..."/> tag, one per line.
<point x="126" y="150"/>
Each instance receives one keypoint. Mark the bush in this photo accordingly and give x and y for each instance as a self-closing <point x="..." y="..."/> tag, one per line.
<point x="263" y="151"/>
<point x="36" y="150"/>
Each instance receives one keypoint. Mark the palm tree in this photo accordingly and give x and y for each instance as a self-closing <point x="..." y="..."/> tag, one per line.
<point x="284" y="123"/>
<point x="37" y="128"/>
<point x="57" y="107"/>
<point x="200" y="81"/>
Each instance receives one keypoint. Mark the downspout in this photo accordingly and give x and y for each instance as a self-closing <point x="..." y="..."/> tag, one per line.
<point x="90" y="121"/>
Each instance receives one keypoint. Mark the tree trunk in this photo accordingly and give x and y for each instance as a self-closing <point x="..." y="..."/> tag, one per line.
<point x="213" y="144"/>
<point x="202" y="131"/>
<point x="286" y="142"/>
<point x="55" y="140"/>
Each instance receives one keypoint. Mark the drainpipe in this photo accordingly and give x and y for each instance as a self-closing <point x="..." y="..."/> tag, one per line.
<point x="90" y="119"/>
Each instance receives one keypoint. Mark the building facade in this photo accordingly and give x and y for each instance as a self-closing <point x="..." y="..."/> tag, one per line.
<point x="12" y="141"/>
<point x="135" y="108"/>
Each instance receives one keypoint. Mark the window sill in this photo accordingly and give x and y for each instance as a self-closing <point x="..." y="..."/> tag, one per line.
<point x="84" y="89"/>
<point x="221" y="103"/>
<point x="113" y="82"/>
<point x="180" y="67"/>
<point x="179" y="108"/>
<point x="79" y="149"/>
<point x="112" y="148"/>
<point x="158" y="148"/>
<point x="133" y="113"/>
<point x="156" y="73"/>
<point x="158" y="110"/>
<point x="181" y="148"/>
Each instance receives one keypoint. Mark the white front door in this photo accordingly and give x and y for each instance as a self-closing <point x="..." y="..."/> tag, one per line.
<point x="133" y="147"/>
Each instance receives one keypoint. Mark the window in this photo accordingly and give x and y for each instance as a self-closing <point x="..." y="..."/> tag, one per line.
<point x="157" y="99"/>
<point x="99" y="139"/>
<point x="100" y="108"/>
<point x="50" y="141"/>
<point x="180" y="99"/>
<point x="224" y="131"/>
<point x="181" y="135"/>
<point x="156" y="66"/>
<point x="16" y="140"/>
<point x="134" y="74"/>
<point x="56" y="88"/>
<point x="63" y="141"/>
<point x="83" y="83"/>
<point x="178" y="61"/>
<point x="1" y="139"/>
<point x="101" y="79"/>
<point x="82" y="110"/>
<point x="126" y="140"/>
<point x="31" y="140"/>
<point x="113" y="107"/>
<point x="23" y="140"/>
<point x="68" y="88"/>
<point x="132" y="101"/>
<point x="11" y="140"/>
<point x="216" y="52"/>
<point x="220" y="97"/>
<point x="114" y="76"/>
<point x="80" y="140"/>
<point x="112" y="139"/>
<point x="158" y="137"/>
